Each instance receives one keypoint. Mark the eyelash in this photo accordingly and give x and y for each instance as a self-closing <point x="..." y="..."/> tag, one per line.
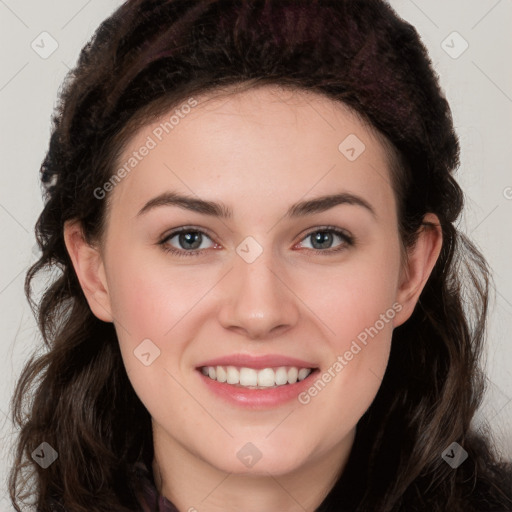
<point x="349" y="241"/>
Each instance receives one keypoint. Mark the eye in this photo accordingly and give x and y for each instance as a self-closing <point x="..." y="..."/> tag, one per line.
<point x="322" y="239"/>
<point x="189" y="242"/>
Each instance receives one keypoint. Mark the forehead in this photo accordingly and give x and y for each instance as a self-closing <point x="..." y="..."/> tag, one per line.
<point x="265" y="143"/>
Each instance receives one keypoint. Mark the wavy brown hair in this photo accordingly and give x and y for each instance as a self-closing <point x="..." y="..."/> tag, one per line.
<point x="150" y="56"/>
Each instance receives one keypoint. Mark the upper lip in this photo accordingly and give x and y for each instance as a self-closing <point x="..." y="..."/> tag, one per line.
<point x="258" y="362"/>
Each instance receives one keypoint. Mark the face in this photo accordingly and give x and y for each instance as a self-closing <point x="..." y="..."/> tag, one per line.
<point x="287" y="283"/>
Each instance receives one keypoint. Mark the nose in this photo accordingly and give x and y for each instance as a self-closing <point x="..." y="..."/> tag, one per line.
<point x="257" y="300"/>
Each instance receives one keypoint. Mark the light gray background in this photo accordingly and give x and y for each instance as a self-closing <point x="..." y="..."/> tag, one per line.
<point x="478" y="85"/>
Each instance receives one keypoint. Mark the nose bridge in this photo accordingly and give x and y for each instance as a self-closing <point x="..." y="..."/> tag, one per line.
<point x="256" y="299"/>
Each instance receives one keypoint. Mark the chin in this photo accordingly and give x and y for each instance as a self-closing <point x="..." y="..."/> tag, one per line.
<point x="257" y="458"/>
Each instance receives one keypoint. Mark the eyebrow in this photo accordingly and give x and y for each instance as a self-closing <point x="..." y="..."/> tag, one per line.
<point x="219" y="209"/>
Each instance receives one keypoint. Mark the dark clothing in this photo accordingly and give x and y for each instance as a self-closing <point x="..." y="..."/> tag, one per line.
<point x="154" y="502"/>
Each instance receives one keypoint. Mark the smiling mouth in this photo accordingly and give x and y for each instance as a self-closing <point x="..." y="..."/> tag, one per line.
<point x="251" y="378"/>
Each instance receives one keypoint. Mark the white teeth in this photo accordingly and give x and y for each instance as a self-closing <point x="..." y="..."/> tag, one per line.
<point x="266" y="378"/>
<point x="292" y="375"/>
<point x="281" y="376"/>
<point x="248" y="377"/>
<point x="233" y="375"/>
<point x="303" y="373"/>
<point x="221" y="374"/>
<point x="251" y="378"/>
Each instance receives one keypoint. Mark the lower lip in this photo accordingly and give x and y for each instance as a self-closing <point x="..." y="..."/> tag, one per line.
<point x="257" y="398"/>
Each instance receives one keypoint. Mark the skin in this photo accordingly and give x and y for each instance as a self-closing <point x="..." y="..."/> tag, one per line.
<point x="258" y="152"/>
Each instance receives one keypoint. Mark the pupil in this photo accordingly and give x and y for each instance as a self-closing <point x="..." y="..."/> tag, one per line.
<point x="191" y="238"/>
<point x="323" y="238"/>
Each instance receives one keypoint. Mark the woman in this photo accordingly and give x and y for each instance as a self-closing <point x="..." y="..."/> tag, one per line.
<point x="319" y="349"/>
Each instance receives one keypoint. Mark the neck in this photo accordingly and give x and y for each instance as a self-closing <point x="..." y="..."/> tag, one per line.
<point x="194" y="485"/>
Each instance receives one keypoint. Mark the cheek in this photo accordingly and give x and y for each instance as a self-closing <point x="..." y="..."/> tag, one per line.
<point x="352" y="296"/>
<point x="360" y="316"/>
<point x="149" y="297"/>
<point x="148" y="307"/>
<point x="357" y="304"/>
